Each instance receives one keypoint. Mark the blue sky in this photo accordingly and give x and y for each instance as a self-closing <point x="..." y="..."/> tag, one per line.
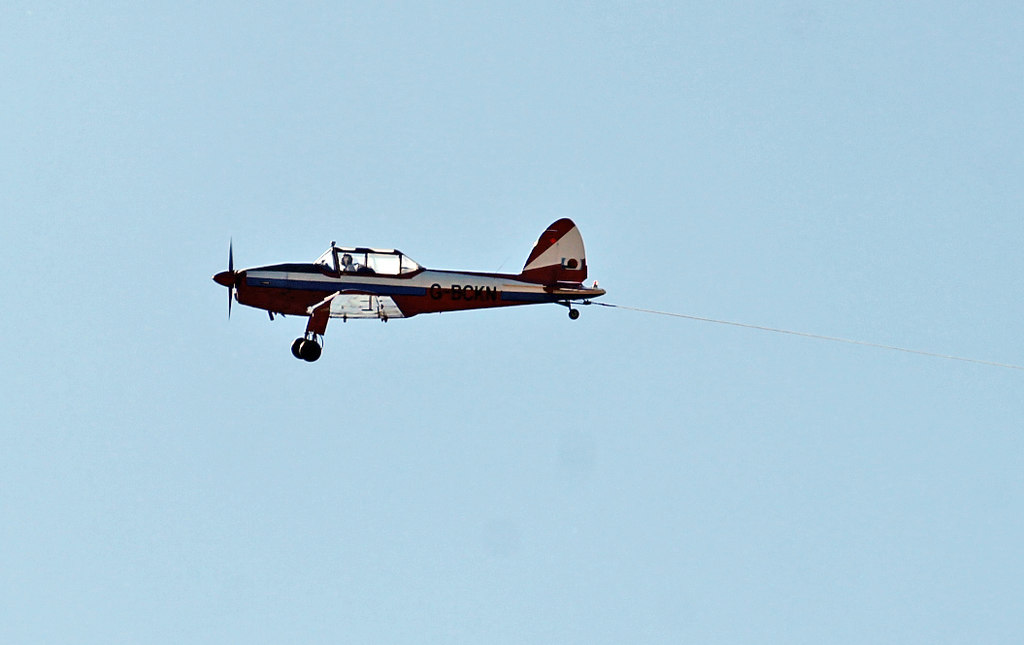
<point x="168" y="476"/>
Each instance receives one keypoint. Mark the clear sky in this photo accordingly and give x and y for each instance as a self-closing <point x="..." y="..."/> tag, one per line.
<point x="168" y="476"/>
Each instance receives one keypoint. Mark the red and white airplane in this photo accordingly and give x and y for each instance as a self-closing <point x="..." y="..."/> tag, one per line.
<point x="356" y="282"/>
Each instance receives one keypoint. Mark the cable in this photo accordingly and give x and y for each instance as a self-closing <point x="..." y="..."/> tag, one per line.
<point x="834" y="339"/>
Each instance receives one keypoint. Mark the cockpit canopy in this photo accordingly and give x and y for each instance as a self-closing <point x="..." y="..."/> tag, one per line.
<point x="346" y="259"/>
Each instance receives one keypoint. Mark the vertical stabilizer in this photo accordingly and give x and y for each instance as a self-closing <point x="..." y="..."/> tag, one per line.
<point x="558" y="256"/>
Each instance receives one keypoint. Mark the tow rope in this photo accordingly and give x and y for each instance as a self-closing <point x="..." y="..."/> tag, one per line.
<point x="834" y="339"/>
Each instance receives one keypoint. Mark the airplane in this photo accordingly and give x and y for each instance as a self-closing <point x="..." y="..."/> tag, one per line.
<point x="358" y="282"/>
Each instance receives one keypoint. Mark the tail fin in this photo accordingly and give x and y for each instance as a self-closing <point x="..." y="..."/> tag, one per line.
<point x="557" y="256"/>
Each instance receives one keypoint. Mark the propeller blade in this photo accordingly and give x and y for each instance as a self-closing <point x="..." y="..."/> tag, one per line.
<point x="228" y="278"/>
<point x="231" y="269"/>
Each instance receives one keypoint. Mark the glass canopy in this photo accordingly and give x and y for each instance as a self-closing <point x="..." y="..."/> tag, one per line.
<point x="343" y="259"/>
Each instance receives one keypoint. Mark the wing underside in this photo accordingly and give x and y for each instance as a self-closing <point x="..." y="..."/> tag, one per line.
<point x="348" y="305"/>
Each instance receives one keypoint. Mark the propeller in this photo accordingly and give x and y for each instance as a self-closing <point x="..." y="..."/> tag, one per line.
<point x="228" y="278"/>
<point x="231" y="268"/>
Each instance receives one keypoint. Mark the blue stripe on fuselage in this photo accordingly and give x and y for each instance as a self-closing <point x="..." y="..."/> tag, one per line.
<point x="320" y="285"/>
<point x="520" y="296"/>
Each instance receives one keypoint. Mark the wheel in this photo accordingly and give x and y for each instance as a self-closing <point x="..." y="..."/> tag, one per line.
<point x="574" y="314"/>
<point x="296" y="345"/>
<point x="309" y="350"/>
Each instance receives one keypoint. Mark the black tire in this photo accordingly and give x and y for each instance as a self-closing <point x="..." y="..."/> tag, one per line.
<point x="309" y="350"/>
<point x="574" y="314"/>
<point x="296" y="346"/>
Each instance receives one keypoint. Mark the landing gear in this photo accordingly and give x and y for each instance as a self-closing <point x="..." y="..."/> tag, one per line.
<point x="573" y="313"/>
<point x="306" y="349"/>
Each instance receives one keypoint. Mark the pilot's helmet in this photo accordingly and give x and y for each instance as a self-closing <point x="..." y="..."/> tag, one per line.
<point x="346" y="260"/>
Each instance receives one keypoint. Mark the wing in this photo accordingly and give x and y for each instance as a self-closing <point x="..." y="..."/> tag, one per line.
<point x="359" y="305"/>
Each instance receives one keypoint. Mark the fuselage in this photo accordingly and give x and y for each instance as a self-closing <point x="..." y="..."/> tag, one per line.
<point x="295" y="288"/>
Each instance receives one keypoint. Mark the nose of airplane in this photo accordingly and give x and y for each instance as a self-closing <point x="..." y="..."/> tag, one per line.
<point x="225" y="278"/>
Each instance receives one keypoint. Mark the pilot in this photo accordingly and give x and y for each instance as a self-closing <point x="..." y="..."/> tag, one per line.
<point x="348" y="265"/>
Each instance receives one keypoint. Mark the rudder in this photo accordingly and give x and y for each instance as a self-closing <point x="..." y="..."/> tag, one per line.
<point x="558" y="256"/>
